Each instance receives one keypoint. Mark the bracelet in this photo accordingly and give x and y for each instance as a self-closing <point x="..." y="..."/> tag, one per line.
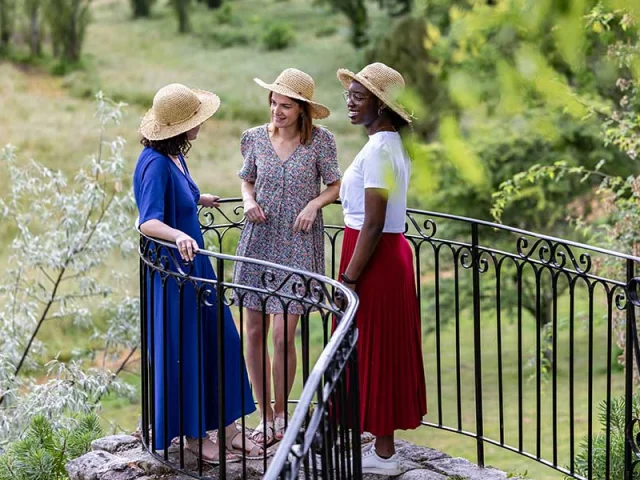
<point x="346" y="279"/>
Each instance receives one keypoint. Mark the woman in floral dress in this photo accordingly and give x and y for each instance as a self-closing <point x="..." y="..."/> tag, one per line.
<point x="285" y="162"/>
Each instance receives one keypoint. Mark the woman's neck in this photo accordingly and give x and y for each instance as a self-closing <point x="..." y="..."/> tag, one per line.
<point x="287" y="134"/>
<point x="380" y="124"/>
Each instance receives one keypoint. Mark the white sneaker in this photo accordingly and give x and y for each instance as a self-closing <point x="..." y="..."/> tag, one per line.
<point x="373" y="463"/>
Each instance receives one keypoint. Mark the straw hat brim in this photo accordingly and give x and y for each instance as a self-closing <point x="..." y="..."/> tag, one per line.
<point x="318" y="110"/>
<point x="151" y="129"/>
<point x="346" y="77"/>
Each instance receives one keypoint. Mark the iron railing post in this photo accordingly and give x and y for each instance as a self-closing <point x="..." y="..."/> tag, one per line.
<point x="144" y="423"/>
<point x="221" y="367"/>
<point x="477" y="342"/>
<point x="628" y="363"/>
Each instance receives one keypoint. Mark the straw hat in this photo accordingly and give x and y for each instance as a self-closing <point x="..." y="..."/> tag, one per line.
<point x="383" y="81"/>
<point x="177" y="109"/>
<point x="296" y="84"/>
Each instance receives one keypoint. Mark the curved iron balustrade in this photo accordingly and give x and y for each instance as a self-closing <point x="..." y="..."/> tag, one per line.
<point x="479" y="282"/>
<point x="162" y="270"/>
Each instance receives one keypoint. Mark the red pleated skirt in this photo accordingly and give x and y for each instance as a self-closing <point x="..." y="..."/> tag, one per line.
<point x="392" y="385"/>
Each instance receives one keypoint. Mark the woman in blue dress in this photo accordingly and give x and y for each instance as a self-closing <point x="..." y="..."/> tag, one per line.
<point x="167" y="200"/>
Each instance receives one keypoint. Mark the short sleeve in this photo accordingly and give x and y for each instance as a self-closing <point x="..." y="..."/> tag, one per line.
<point x="249" y="170"/>
<point x="378" y="169"/>
<point x="327" y="159"/>
<point x="153" y="185"/>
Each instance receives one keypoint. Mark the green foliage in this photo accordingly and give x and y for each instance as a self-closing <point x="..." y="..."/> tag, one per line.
<point x="44" y="450"/>
<point x="225" y="15"/>
<point x="402" y="46"/>
<point x="278" y="36"/>
<point x="617" y="427"/>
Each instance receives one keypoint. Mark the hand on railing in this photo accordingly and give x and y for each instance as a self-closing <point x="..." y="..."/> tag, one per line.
<point x="209" y="201"/>
<point x="187" y="247"/>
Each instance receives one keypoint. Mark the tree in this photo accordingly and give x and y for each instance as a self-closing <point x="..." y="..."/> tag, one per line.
<point x="65" y="229"/>
<point x="141" y="8"/>
<point x="68" y="22"/>
<point x="503" y="88"/>
<point x="7" y="14"/>
<point x="32" y="10"/>
<point x="181" y="8"/>
<point x="356" y="12"/>
<point x="617" y="193"/>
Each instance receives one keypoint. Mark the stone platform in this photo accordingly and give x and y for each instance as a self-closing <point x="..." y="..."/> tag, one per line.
<point x="121" y="457"/>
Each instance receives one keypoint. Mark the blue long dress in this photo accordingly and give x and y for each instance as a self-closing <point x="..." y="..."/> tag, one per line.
<point x="164" y="193"/>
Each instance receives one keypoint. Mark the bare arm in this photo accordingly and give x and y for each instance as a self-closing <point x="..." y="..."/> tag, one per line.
<point x="187" y="246"/>
<point x="307" y="216"/>
<point x="375" y="211"/>
<point x="252" y="210"/>
<point x="208" y="200"/>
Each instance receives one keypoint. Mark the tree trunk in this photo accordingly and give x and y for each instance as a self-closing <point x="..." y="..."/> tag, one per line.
<point x="182" y="10"/>
<point x="35" y="43"/>
<point x="72" y="53"/>
<point x="5" y="26"/>
<point x="141" y="8"/>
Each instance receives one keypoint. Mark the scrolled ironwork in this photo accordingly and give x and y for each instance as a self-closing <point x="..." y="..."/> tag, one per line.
<point x="427" y="230"/>
<point x="554" y="254"/>
<point x="632" y="289"/>
<point x="522" y="293"/>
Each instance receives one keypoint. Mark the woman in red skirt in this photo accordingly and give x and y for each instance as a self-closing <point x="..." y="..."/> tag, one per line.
<point x="377" y="262"/>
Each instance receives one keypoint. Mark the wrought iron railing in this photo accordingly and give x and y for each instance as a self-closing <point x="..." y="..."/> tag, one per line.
<point x="524" y="331"/>
<point x="180" y="303"/>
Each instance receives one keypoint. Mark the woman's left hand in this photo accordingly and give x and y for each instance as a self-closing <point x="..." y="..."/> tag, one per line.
<point x="209" y="201"/>
<point x="305" y="218"/>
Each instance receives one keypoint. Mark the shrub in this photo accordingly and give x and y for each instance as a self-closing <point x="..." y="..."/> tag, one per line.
<point x="278" y="36"/>
<point x="225" y="15"/>
<point x="326" y="31"/>
<point x="44" y="450"/>
<point x="230" y="38"/>
<point x="598" y="447"/>
<point x="55" y="273"/>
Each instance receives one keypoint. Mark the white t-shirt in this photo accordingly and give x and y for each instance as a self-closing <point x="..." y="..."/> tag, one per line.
<point x="382" y="163"/>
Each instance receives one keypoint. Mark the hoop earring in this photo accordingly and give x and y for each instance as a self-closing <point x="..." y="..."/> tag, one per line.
<point x="380" y="110"/>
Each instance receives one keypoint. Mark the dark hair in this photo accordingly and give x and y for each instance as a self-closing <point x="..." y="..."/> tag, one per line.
<point x="178" y="145"/>
<point x="398" y="122"/>
<point x="305" y="121"/>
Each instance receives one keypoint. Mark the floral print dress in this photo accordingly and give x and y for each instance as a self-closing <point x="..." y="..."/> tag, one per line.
<point x="283" y="189"/>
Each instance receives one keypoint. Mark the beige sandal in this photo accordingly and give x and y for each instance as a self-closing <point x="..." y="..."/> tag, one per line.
<point x="279" y="426"/>
<point x="192" y="445"/>
<point x="267" y="436"/>
<point x="252" y="450"/>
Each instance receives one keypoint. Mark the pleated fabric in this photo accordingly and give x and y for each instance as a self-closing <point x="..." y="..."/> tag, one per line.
<point x="391" y="372"/>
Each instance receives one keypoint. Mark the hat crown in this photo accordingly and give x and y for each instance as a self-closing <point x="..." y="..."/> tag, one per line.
<point x="383" y="77"/>
<point x="298" y="81"/>
<point x="175" y="103"/>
